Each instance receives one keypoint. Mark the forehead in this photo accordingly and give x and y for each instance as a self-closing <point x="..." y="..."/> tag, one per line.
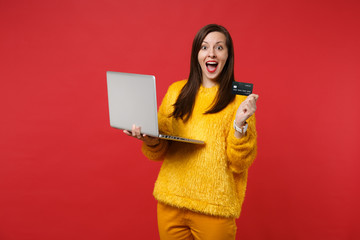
<point x="215" y="37"/>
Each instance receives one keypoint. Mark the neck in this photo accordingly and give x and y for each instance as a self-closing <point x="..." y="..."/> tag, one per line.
<point x="207" y="83"/>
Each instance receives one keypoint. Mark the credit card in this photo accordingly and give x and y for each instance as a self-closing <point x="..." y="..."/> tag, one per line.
<point x="241" y="88"/>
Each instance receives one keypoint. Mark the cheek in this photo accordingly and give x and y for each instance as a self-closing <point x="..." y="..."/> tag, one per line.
<point x="223" y="63"/>
<point x="200" y="58"/>
<point x="225" y="57"/>
<point x="201" y="64"/>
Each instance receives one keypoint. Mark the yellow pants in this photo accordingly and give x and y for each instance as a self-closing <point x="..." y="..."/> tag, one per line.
<point x="176" y="224"/>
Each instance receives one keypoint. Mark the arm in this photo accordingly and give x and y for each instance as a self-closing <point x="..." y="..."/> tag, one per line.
<point x="153" y="148"/>
<point x="156" y="152"/>
<point x="242" y="147"/>
<point x="242" y="151"/>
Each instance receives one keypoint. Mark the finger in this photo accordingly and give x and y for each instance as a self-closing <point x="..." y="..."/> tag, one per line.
<point x="252" y="99"/>
<point x="252" y="108"/>
<point x="252" y="102"/>
<point x="138" y="132"/>
<point x="255" y="96"/>
<point x="133" y="130"/>
<point x="127" y="132"/>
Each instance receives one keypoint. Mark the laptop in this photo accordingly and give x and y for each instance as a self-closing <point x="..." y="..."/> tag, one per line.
<point x="132" y="100"/>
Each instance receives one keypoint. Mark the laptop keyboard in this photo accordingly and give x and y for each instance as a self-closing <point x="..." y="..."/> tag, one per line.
<point x="173" y="137"/>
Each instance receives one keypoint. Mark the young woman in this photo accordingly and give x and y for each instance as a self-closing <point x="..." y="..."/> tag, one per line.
<point x="200" y="188"/>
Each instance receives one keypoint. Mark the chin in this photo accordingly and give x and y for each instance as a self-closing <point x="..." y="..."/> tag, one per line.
<point x="213" y="78"/>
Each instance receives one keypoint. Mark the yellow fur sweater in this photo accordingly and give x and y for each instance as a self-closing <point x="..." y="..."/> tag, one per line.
<point x="211" y="178"/>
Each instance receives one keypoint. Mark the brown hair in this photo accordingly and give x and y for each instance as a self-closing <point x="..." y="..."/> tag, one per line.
<point x="184" y="104"/>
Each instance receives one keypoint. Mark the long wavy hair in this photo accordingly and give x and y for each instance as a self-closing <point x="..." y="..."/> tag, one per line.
<point x="184" y="104"/>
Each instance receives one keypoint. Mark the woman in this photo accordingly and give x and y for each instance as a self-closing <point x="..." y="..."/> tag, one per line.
<point x="200" y="188"/>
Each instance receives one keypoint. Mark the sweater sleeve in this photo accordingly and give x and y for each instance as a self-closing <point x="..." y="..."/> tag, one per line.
<point x="158" y="152"/>
<point x="242" y="152"/>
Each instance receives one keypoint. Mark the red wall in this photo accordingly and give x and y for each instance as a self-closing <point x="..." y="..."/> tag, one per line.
<point x="65" y="174"/>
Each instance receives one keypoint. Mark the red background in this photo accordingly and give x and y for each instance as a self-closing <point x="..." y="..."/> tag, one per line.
<point x="65" y="174"/>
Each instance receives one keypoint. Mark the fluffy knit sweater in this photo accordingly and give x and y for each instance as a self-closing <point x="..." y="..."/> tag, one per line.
<point x="211" y="178"/>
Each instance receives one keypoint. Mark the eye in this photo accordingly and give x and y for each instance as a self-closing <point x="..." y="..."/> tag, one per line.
<point x="219" y="48"/>
<point x="203" y="48"/>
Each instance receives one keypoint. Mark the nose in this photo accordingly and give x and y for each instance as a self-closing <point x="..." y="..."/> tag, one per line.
<point x="212" y="53"/>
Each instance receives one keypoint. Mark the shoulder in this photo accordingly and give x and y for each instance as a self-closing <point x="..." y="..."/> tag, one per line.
<point x="173" y="91"/>
<point x="177" y="86"/>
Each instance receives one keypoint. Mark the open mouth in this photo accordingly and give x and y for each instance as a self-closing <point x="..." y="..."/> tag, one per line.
<point x="211" y="66"/>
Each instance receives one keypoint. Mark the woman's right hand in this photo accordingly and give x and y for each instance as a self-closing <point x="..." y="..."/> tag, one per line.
<point x="136" y="132"/>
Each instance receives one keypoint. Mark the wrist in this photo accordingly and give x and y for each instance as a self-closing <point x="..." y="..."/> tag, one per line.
<point x="240" y="127"/>
<point x="240" y="123"/>
<point x="152" y="144"/>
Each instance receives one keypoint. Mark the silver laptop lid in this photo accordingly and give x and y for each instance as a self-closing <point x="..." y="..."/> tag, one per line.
<point x="132" y="100"/>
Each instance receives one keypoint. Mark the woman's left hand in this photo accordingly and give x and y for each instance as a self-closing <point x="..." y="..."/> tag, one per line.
<point x="246" y="109"/>
<point x="136" y="133"/>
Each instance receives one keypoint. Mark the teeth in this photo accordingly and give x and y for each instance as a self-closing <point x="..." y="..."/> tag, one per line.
<point x="212" y="63"/>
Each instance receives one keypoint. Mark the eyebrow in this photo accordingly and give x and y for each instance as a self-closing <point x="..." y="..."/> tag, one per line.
<point x="215" y="43"/>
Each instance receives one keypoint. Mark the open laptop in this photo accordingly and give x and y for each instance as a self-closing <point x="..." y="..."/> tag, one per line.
<point x="132" y="100"/>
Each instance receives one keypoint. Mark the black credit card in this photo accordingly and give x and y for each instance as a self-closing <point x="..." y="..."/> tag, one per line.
<point x="241" y="88"/>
